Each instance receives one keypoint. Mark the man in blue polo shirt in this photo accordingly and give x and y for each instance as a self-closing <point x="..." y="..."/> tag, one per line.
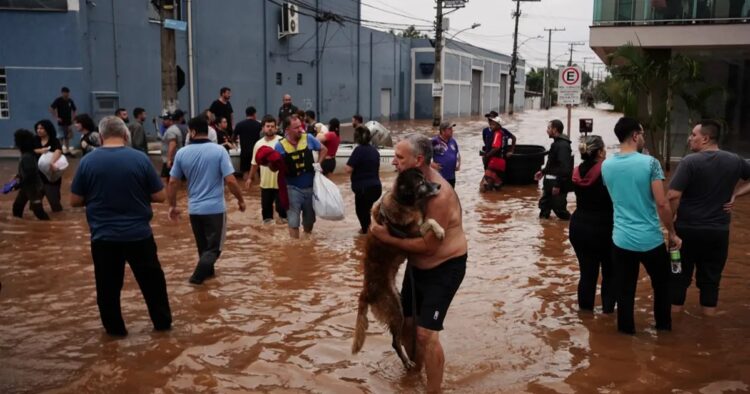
<point x="296" y="148"/>
<point x="635" y="183"/>
<point x="117" y="184"/>
<point x="208" y="169"/>
<point x="446" y="158"/>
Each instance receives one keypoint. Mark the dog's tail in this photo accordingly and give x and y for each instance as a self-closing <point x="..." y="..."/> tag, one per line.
<point x="361" y="326"/>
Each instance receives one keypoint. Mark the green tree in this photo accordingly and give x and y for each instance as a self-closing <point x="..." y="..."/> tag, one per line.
<point x="647" y="82"/>
<point x="409" y="32"/>
<point x="535" y="80"/>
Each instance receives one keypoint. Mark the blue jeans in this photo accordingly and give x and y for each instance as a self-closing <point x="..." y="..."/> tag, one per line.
<point x="300" y="201"/>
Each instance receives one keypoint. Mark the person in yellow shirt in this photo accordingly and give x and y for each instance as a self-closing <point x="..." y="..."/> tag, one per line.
<point x="269" y="185"/>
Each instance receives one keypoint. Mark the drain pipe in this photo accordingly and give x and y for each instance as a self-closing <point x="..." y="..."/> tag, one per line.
<point x="191" y="67"/>
<point x="266" y="106"/>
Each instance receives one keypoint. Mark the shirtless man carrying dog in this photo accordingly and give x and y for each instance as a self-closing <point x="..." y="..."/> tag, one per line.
<point x="438" y="266"/>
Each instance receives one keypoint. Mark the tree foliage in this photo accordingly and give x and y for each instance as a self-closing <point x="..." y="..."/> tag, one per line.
<point x="644" y="85"/>
<point x="409" y="32"/>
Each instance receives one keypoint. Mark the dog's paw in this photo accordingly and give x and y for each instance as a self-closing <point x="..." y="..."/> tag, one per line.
<point x="431" y="224"/>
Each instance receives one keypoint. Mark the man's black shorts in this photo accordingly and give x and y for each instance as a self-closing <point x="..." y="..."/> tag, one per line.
<point x="434" y="291"/>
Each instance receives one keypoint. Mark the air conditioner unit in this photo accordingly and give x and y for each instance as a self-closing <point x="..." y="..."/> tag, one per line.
<point x="289" y="20"/>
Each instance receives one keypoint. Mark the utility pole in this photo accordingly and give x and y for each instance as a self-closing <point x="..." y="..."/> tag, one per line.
<point x="514" y="58"/>
<point x="168" y="57"/>
<point x="437" y="99"/>
<point x="547" y="89"/>
<point x="437" y="85"/>
<point x="572" y="44"/>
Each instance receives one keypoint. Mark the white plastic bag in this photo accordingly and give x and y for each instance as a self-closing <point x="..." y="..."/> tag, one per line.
<point x="327" y="201"/>
<point x="44" y="166"/>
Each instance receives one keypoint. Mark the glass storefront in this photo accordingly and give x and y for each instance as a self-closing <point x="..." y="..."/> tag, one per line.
<point x="626" y="12"/>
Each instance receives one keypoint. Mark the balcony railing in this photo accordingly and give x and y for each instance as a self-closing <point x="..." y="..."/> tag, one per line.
<point x="651" y="12"/>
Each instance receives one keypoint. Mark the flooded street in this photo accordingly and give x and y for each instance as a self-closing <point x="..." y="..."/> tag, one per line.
<point x="279" y="315"/>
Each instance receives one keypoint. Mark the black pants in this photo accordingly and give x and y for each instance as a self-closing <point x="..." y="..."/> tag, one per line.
<point x="705" y="252"/>
<point x="246" y="159"/>
<point x="592" y="242"/>
<point x="269" y="197"/>
<point x="52" y="192"/>
<point x="209" y="232"/>
<point x="549" y="202"/>
<point x="363" y="201"/>
<point x="109" y="270"/>
<point x="626" y="267"/>
<point x="35" y="205"/>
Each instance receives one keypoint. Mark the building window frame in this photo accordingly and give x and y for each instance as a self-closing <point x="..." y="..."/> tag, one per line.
<point x="4" y="100"/>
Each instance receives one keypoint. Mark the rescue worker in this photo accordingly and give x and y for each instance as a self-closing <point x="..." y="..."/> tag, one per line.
<point x="296" y="148"/>
<point x="498" y="147"/>
<point x="487" y="138"/>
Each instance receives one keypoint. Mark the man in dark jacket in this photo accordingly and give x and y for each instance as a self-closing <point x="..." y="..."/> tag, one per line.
<point x="557" y="174"/>
<point x="286" y="109"/>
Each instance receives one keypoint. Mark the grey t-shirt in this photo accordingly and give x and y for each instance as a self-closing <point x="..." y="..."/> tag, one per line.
<point x="707" y="181"/>
<point x="172" y="133"/>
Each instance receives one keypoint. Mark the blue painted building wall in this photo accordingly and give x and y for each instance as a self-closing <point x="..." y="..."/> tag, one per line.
<point x="113" y="47"/>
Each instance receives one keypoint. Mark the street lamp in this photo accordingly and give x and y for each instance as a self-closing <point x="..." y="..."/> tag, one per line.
<point x="530" y="38"/>
<point x="473" y="26"/>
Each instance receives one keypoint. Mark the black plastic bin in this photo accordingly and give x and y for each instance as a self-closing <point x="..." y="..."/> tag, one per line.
<point x="524" y="163"/>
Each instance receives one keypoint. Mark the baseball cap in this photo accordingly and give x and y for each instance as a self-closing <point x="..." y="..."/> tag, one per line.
<point x="445" y="125"/>
<point x="177" y="114"/>
<point x="491" y="114"/>
<point x="497" y="119"/>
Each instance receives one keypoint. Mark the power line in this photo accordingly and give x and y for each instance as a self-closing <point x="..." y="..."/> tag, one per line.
<point x="393" y="13"/>
<point x="318" y="14"/>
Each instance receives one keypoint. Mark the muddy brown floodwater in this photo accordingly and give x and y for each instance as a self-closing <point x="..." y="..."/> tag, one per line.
<point x="279" y="315"/>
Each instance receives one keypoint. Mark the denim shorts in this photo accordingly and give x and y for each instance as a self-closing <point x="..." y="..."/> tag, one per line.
<point x="300" y="201"/>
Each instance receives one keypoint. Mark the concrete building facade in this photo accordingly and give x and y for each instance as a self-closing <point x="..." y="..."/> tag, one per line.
<point x="108" y="53"/>
<point x="475" y="80"/>
<point x="716" y="33"/>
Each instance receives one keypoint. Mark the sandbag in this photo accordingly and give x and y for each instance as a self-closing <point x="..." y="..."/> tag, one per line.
<point x="327" y="201"/>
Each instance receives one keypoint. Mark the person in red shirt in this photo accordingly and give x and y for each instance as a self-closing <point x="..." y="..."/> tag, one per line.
<point x="330" y="140"/>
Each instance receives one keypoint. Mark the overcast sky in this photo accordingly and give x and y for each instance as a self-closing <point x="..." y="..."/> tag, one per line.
<point x="496" y="30"/>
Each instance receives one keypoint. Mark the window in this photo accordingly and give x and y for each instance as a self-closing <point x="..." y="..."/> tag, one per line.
<point x="4" y="104"/>
<point x="278" y="78"/>
<point x="34" y="5"/>
<point x="299" y="79"/>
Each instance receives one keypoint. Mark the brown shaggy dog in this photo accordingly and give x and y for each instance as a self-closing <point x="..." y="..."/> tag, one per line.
<point x="402" y="211"/>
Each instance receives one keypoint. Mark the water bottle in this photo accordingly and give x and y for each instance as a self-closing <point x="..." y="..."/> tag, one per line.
<point x="676" y="260"/>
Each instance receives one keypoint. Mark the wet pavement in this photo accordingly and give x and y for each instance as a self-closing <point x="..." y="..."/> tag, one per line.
<point x="279" y="315"/>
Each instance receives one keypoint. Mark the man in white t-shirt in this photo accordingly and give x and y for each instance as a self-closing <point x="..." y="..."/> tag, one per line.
<point x="211" y="131"/>
<point x="269" y="184"/>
